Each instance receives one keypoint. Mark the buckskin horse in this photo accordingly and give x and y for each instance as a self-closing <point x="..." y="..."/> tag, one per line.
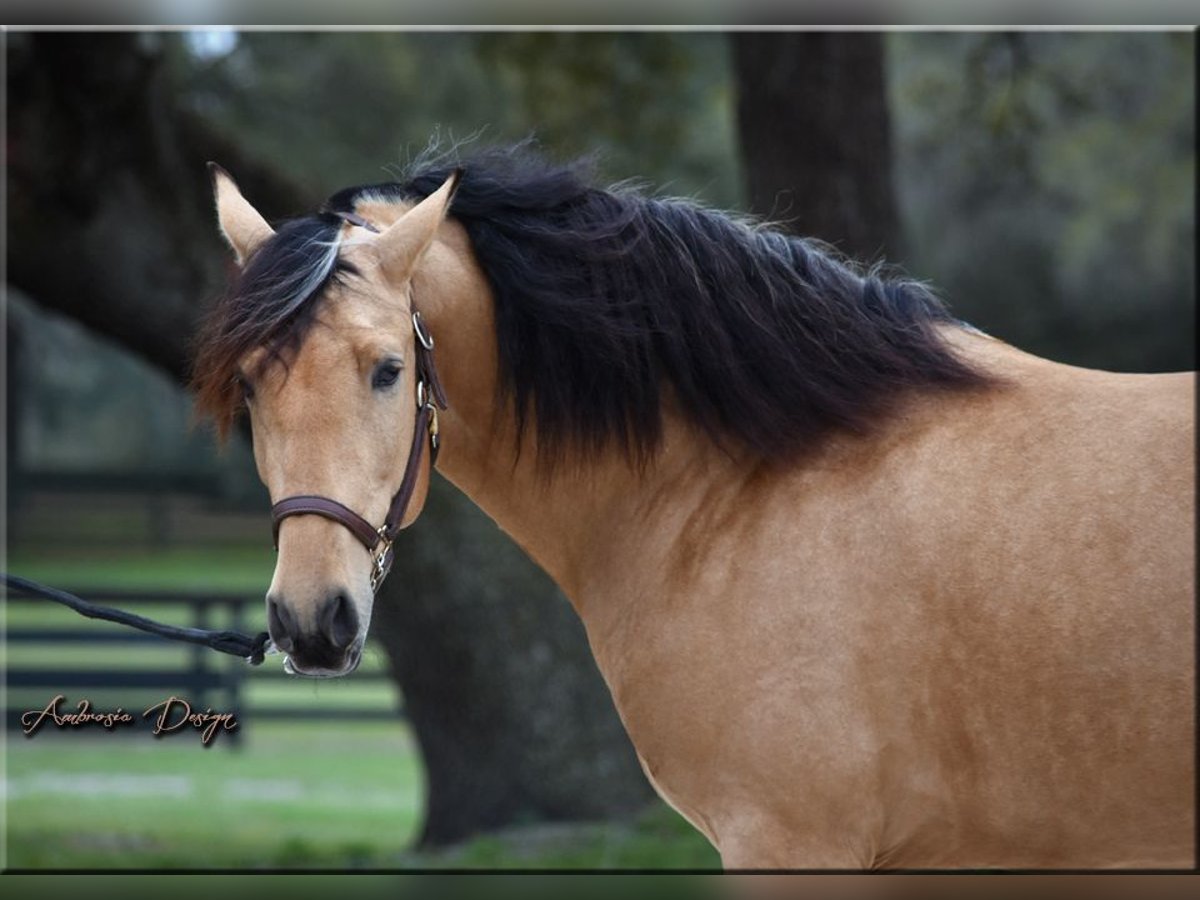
<point x="869" y="587"/>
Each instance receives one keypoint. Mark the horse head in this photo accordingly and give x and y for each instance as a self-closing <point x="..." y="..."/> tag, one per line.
<point x="321" y="339"/>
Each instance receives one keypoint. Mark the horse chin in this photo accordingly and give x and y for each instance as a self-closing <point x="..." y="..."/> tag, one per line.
<point x="352" y="660"/>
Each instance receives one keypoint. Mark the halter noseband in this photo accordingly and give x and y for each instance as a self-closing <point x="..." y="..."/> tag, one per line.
<point x="378" y="541"/>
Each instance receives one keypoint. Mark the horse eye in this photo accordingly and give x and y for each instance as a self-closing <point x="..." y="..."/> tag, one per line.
<point x="386" y="375"/>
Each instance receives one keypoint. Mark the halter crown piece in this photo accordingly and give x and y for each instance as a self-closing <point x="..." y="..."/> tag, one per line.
<point x="430" y="398"/>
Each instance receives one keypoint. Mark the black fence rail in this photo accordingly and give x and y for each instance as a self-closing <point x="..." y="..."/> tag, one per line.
<point x="204" y="679"/>
<point x="155" y="510"/>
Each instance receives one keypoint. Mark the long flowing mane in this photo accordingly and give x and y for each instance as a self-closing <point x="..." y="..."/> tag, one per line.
<point x="610" y="304"/>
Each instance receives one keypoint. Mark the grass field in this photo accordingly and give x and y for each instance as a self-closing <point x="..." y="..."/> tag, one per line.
<point x="294" y="795"/>
<point x="291" y="795"/>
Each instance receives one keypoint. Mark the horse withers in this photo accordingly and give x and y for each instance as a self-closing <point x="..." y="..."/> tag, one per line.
<point x="869" y="588"/>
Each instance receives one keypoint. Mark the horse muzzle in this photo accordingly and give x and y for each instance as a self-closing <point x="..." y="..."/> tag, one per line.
<point x="330" y="646"/>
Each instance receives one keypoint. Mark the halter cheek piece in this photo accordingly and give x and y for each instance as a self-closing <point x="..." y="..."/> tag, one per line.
<point x="378" y="541"/>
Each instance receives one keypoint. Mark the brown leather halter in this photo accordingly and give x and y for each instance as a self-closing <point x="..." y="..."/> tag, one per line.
<point x="378" y="541"/>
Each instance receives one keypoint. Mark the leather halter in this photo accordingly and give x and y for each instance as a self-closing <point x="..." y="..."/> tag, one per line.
<point x="378" y="541"/>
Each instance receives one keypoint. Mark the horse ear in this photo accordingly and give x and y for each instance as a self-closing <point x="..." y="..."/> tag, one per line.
<point x="244" y="228"/>
<point x="405" y="241"/>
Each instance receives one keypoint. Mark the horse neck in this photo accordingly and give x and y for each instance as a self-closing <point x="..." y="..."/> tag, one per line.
<point x="588" y="517"/>
<point x="575" y="518"/>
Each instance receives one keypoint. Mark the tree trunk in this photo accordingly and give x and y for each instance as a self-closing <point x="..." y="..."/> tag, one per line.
<point x="111" y="222"/>
<point x="814" y="135"/>
<point x="110" y="210"/>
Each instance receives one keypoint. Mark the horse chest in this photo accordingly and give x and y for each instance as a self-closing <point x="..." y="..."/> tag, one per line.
<point x="734" y="708"/>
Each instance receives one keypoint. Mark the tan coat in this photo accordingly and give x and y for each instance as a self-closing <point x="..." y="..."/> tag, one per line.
<point x="967" y="641"/>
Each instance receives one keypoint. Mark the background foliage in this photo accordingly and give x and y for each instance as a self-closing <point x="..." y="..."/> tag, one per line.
<point x="1046" y="181"/>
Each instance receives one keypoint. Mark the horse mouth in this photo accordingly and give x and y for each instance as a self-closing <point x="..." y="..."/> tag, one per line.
<point x="353" y="658"/>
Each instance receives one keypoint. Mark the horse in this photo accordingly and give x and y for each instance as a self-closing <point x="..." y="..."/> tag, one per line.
<point x="870" y="588"/>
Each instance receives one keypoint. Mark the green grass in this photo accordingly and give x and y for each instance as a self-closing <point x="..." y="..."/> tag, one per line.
<point x="299" y="795"/>
<point x="321" y="886"/>
<point x="657" y="839"/>
<point x="293" y="795"/>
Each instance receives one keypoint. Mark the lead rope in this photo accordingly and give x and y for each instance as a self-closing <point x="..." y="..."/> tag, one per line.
<point x="251" y="649"/>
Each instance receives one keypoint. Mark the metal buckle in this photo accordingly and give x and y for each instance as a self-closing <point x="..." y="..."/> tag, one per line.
<point x="423" y="336"/>
<point x="381" y="559"/>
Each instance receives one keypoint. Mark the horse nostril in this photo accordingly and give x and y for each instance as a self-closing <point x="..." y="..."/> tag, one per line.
<point x="339" y="621"/>
<point x="280" y="625"/>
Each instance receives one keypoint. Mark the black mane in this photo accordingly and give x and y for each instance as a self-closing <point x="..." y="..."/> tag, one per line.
<point x="609" y="302"/>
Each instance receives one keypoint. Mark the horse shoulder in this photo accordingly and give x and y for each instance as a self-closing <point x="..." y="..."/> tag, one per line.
<point x="815" y="664"/>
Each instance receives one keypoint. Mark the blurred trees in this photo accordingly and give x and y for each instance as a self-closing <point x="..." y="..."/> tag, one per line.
<point x="1047" y="183"/>
<point x="110" y="214"/>
<point x="652" y="106"/>
<point x="1044" y="183"/>
<point x="816" y="136"/>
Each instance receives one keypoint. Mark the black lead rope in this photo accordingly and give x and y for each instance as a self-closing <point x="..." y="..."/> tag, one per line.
<point x="235" y="643"/>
